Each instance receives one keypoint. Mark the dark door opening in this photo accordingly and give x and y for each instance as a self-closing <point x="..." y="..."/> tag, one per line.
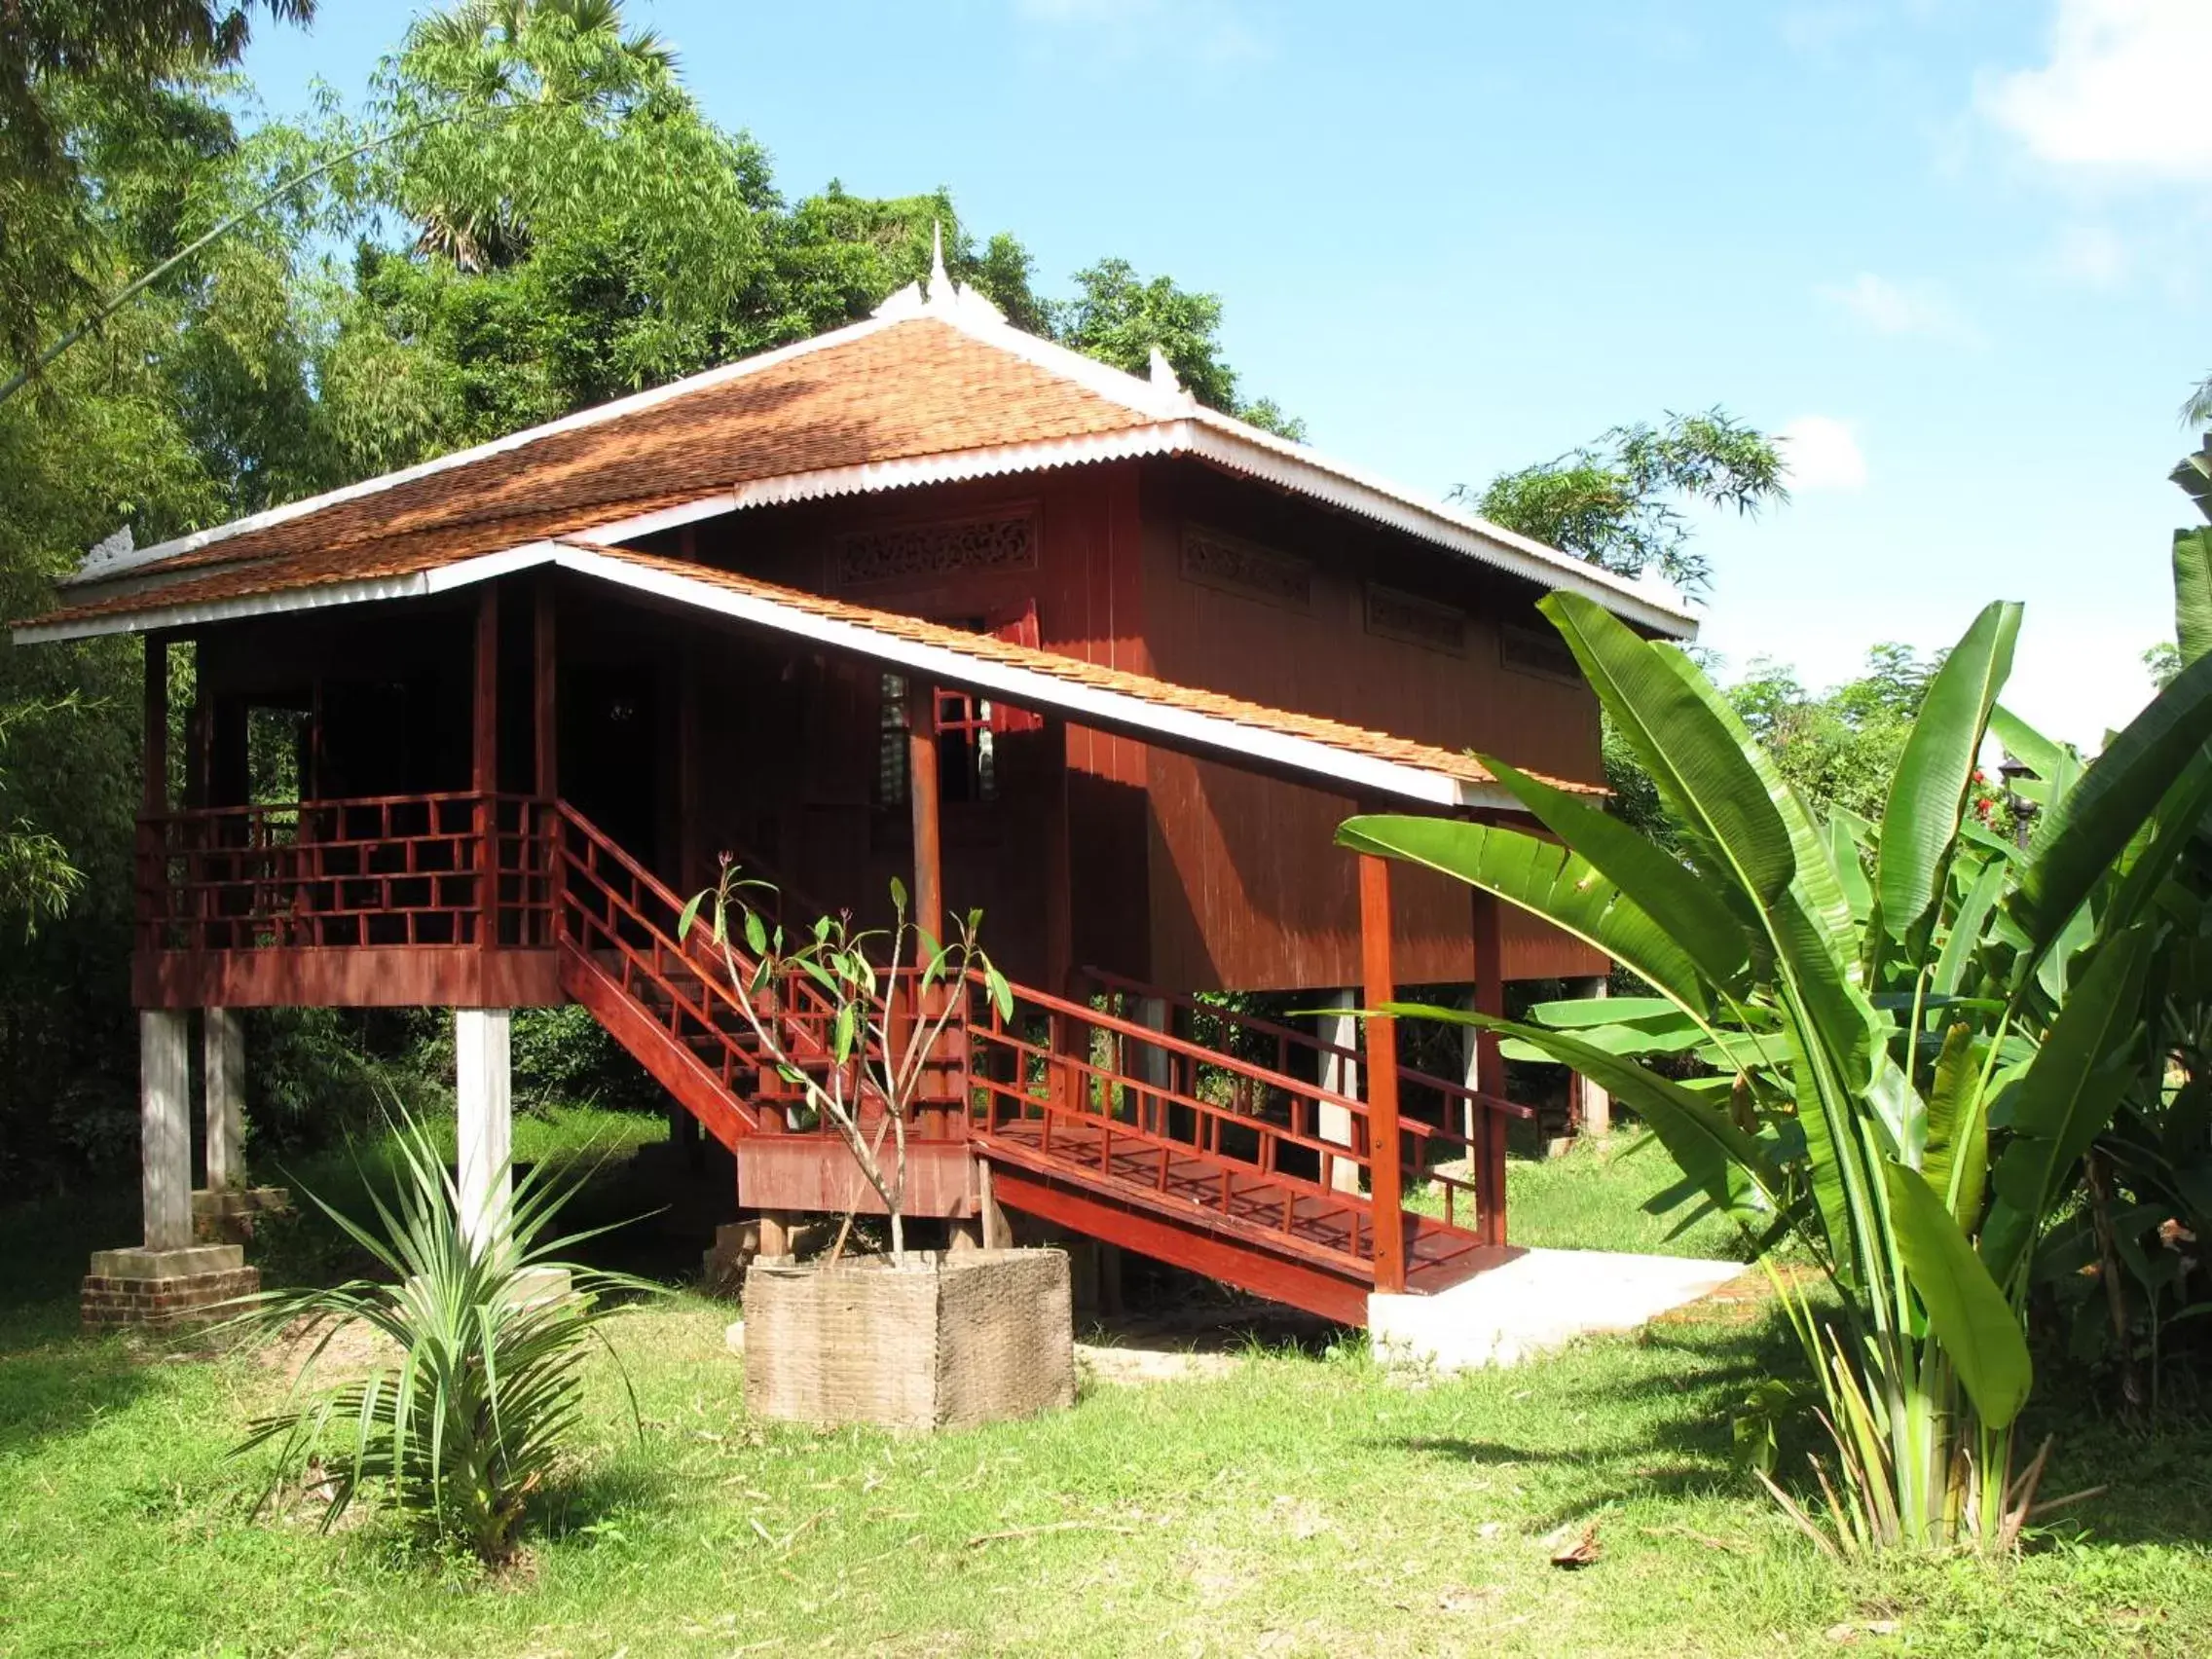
<point x="610" y="752"/>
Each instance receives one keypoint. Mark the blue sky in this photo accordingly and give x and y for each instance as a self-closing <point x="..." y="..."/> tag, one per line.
<point x="1952" y="247"/>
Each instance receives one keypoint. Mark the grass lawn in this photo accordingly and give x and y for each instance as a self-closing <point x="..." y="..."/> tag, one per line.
<point x="1303" y="1504"/>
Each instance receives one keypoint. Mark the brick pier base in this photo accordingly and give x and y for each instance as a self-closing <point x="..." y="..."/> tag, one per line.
<point x="160" y="1289"/>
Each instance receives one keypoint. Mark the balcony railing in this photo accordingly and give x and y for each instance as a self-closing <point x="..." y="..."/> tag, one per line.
<point x="432" y="871"/>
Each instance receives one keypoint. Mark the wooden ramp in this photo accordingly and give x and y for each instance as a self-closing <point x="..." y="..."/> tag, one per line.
<point x="1150" y="1136"/>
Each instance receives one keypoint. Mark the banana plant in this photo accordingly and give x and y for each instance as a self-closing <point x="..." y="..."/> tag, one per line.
<point x="1895" y="1086"/>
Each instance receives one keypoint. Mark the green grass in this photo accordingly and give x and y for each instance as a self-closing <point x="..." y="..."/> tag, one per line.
<point x="1593" y="1200"/>
<point x="1305" y="1504"/>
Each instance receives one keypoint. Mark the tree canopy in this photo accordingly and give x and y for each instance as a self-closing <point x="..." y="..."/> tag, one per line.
<point x="1618" y="502"/>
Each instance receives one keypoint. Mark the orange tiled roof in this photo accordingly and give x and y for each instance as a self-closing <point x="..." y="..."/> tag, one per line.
<point x="916" y="387"/>
<point x="934" y="386"/>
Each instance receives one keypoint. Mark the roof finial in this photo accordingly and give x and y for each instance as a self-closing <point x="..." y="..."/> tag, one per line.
<point x="1163" y="372"/>
<point x="940" y="283"/>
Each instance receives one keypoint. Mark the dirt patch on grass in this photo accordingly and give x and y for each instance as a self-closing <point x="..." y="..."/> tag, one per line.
<point x="1129" y="1367"/>
<point x="1745" y="1300"/>
<point x="353" y="1349"/>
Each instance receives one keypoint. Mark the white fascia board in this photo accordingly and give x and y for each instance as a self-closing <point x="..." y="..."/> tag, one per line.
<point x="1026" y="688"/>
<point x="580" y="420"/>
<point x="420" y="584"/>
<point x="1353" y="773"/>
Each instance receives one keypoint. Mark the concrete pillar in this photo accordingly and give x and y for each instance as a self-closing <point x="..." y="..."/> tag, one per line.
<point x="1339" y="1074"/>
<point x="1152" y="1063"/>
<point x="483" y="1042"/>
<point x="1597" y="1104"/>
<point x="223" y="1075"/>
<point x="164" y="1128"/>
<point x="1470" y="1077"/>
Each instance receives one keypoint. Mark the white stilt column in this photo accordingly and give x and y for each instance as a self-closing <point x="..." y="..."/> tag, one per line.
<point x="1597" y="1104"/>
<point x="1470" y="1068"/>
<point x="223" y="1075"/>
<point x="1152" y="1065"/>
<point x="1339" y="1074"/>
<point x="164" y="1128"/>
<point x="484" y="1088"/>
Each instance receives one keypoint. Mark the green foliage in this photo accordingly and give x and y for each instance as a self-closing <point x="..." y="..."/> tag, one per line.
<point x="1118" y="317"/>
<point x="1840" y="749"/>
<point x="1913" y="1032"/>
<point x="56" y="57"/>
<point x="851" y="1019"/>
<point x="1618" y="502"/>
<point x="563" y="1055"/>
<point x="487" y="1388"/>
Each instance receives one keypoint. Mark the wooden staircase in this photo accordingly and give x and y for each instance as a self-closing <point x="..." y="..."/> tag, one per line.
<point x="1175" y="1143"/>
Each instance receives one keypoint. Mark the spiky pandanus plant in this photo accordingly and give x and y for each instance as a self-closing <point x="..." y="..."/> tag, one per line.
<point x="487" y="1390"/>
<point x="1907" y="1051"/>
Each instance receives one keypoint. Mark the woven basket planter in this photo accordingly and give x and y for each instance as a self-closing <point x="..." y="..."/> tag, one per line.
<point x="948" y="1341"/>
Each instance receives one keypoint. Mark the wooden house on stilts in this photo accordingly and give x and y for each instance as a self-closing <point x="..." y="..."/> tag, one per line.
<point x="926" y="597"/>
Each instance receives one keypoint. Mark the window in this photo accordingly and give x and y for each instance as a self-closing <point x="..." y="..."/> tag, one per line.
<point x="969" y="729"/>
<point x="967" y="753"/>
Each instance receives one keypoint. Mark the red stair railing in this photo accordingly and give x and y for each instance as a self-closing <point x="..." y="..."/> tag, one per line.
<point x="1055" y="1076"/>
<point x="1473" y="1201"/>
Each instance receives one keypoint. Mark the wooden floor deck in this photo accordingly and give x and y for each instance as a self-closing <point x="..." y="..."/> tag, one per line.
<point x="1290" y="1215"/>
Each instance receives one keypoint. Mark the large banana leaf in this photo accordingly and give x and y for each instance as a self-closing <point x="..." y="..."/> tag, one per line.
<point x="1659" y="883"/>
<point x="1817" y="882"/>
<point x="1967" y="923"/>
<point x="1956" y="1160"/>
<point x="2030" y="746"/>
<point x="2067" y="1095"/>
<point x="1967" y="1313"/>
<point x="2091" y="826"/>
<point x="2192" y="592"/>
<point x="1928" y="795"/>
<point x="1545" y="879"/>
<point x="1730" y="1166"/>
<point x="1808" y="925"/>
<point x="1691" y="758"/>
<point x="1569" y="1013"/>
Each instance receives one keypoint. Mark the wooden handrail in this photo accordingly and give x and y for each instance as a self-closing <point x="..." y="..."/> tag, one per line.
<point x="1107" y="980"/>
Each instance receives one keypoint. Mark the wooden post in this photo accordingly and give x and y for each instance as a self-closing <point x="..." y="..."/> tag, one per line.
<point x="1059" y="886"/>
<point x="691" y="855"/>
<point x="1384" y="1177"/>
<point x="545" y="733"/>
<point x="153" y="897"/>
<point x="157" y="780"/>
<point x="1489" y="1064"/>
<point x="922" y="795"/>
<point x="484" y="761"/>
<point x="544" y="674"/>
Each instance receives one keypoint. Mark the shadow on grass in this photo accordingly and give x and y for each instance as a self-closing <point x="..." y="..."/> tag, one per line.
<point x="1686" y="1444"/>
<point x="588" y="1505"/>
<point x="59" y="1387"/>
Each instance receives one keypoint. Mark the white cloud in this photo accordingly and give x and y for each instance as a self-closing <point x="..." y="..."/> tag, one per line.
<point x="2123" y="90"/>
<point x="1819" y="451"/>
<point x="1916" y="309"/>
